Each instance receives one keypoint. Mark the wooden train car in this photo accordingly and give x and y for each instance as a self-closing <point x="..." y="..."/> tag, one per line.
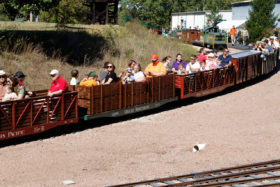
<point x="41" y="113"/>
<point x="38" y="114"/>
<point x="117" y="99"/>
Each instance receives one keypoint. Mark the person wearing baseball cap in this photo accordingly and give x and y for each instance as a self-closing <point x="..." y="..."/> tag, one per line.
<point x="3" y="79"/>
<point x="156" y="68"/>
<point x="90" y="81"/>
<point x="58" y="85"/>
<point x="20" y="76"/>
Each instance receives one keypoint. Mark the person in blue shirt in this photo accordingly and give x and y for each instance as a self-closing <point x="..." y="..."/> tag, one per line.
<point x="225" y="60"/>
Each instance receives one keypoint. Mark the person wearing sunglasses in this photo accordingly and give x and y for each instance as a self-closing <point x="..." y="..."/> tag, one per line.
<point x="193" y="66"/>
<point x="58" y="85"/>
<point x="156" y="68"/>
<point x="225" y="59"/>
<point x="111" y="77"/>
<point x="3" y="79"/>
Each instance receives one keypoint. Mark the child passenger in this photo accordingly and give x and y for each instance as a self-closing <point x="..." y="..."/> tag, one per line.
<point x="128" y="78"/>
<point x="10" y="94"/>
<point x="75" y="75"/>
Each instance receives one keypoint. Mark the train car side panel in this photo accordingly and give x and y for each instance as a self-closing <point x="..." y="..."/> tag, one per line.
<point x="35" y="115"/>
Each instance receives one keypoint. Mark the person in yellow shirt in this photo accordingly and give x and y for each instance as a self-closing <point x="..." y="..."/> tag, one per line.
<point x="156" y="68"/>
<point x="90" y="80"/>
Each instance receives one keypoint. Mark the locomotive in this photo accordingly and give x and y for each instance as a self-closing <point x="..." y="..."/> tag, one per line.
<point x="41" y="113"/>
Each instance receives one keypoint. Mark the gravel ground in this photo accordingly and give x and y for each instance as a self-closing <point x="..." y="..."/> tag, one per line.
<point x="240" y="127"/>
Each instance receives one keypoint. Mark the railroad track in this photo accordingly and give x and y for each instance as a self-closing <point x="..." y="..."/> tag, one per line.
<point x="257" y="174"/>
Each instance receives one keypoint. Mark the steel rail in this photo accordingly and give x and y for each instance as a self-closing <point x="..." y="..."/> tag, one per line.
<point x="203" y="174"/>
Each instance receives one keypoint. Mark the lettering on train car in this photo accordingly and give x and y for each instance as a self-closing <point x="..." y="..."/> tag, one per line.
<point x="2" y="136"/>
<point x="39" y="129"/>
<point x="139" y="109"/>
<point x="115" y="114"/>
<point x="16" y="133"/>
<point x="129" y="111"/>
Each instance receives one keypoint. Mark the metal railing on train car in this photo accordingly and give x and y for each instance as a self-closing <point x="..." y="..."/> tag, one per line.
<point x="33" y="112"/>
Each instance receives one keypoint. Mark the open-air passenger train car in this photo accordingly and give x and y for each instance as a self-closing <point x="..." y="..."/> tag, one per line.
<point x="41" y="113"/>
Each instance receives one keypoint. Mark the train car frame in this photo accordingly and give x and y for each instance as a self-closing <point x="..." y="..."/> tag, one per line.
<point x="38" y="114"/>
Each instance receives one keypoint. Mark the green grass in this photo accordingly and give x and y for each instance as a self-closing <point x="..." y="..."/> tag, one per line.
<point x="36" y="48"/>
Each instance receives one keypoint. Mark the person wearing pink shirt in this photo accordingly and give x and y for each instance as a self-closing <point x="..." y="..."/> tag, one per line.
<point x="211" y="63"/>
<point x="58" y="85"/>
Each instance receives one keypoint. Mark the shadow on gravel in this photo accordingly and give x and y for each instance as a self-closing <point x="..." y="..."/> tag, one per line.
<point x="76" y="128"/>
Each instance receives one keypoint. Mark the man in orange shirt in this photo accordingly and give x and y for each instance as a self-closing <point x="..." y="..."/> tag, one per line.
<point x="232" y="34"/>
<point x="156" y="68"/>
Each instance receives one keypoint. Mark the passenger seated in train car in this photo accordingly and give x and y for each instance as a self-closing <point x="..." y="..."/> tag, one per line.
<point x="21" y="77"/>
<point x="225" y="59"/>
<point x="166" y="61"/>
<point x="111" y="76"/>
<point x="181" y="70"/>
<point x="211" y="62"/>
<point x="139" y="76"/>
<point x="131" y="65"/>
<point x="104" y="72"/>
<point x="128" y="78"/>
<point x="202" y="55"/>
<point x="3" y="79"/>
<point x="90" y="80"/>
<point x="13" y="82"/>
<point x="156" y="68"/>
<point x="179" y="60"/>
<point x="269" y="47"/>
<point x="194" y="65"/>
<point x="215" y="52"/>
<point x="74" y="79"/>
<point x="10" y="94"/>
<point x="58" y="85"/>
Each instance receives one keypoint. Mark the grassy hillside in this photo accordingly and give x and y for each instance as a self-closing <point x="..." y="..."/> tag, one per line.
<point x="35" y="50"/>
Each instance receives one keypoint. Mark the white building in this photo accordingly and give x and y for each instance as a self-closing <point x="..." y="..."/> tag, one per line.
<point x="237" y="17"/>
<point x="195" y="19"/>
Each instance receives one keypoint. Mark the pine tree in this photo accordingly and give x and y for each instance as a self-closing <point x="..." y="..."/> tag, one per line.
<point x="261" y="18"/>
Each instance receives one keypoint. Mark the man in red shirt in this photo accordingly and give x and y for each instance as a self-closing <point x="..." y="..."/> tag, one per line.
<point x="58" y="85"/>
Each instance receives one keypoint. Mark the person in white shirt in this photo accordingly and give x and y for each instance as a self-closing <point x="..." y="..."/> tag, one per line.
<point x="139" y="76"/>
<point x="193" y="66"/>
<point x="10" y="94"/>
<point x="74" y="80"/>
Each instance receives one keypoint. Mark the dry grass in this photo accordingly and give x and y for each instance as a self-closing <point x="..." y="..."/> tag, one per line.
<point x="130" y="42"/>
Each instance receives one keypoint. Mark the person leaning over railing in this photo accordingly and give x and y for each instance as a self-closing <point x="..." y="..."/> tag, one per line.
<point x="58" y="85"/>
<point x="90" y="81"/>
<point x="156" y="68"/>
<point x="3" y="79"/>
<point x="225" y="59"/>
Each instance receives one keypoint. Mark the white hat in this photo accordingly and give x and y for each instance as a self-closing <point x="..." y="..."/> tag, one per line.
<point x="2" y="72"/>
<point x="211" y="55"/>
<point x="54" y="72"/>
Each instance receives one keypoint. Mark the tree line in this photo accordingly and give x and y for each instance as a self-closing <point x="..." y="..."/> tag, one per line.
<point x="150" y="12"/>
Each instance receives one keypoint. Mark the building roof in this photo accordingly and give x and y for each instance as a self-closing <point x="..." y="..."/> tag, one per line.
<point x="195" y="12"/>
